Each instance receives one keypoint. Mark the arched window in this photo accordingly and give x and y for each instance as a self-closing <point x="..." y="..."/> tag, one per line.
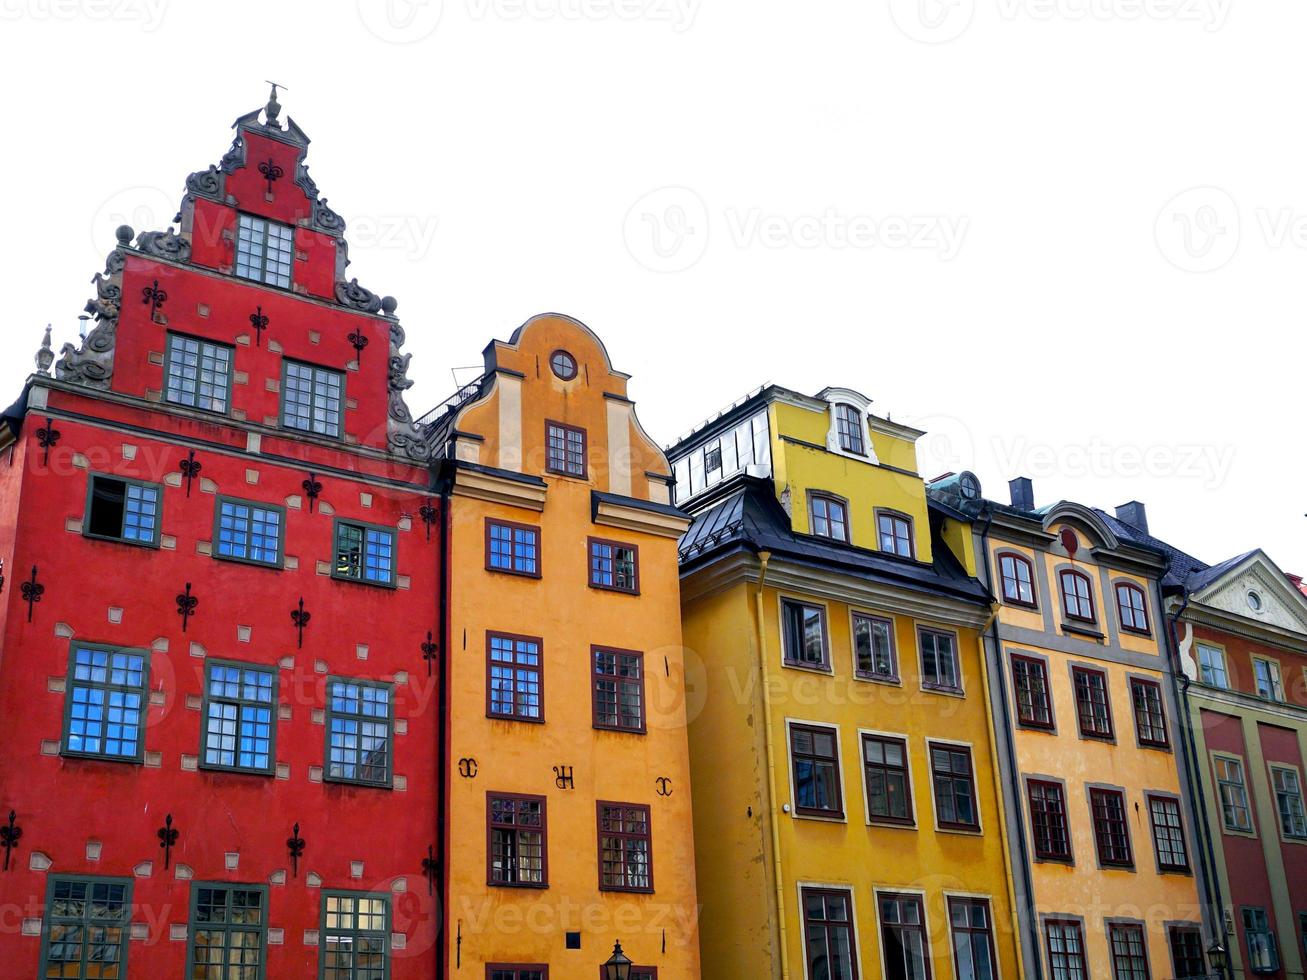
<point x="1077" y="596"/>
<point x="828" y="516"/>
<point x="1017" y="578"/>
<point x="848" y="426"/>
<point x="1132" y="607"/>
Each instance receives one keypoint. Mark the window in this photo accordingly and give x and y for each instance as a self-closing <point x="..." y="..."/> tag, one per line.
<point x="614" y="566"/>
<point x="625" y="860"/>
<point x="228" y="931"/>
<point x="197" y="373"/>
<point x="1168" y="834"/>
<point x="517" y="854"/>
<point x="939" y="662"/>
<point x="1066" y="950"/>
<point x="1077" y="596"/>
<point x="1263" y="951"/>
<point x="1018" y="580"/>
<point x="1129" y="954"/>
<point x="903" y="937"/>
<point x="264" y="250"/>
<point x="563" y="365"/>
<point x="515" y="681"/>
<point x="1267" y="674"/>
<point x="873" y="648"/>
<point x="1110" y="831"/>
<point x="1234" y="795"/>
<point x="358" y="732"/>
<point x="1093" y="709"/>
<point x="955" y="787"/>
<point x="364" y="553"/>
<point x="312" y="398"/>
<point x="355" y="936"/>
<point x="1030" y="685"/>
<point x="828" y="517"/>
<point x="87" y="921"/>
<point x="889" y="788"/>
<point x="1288" y="801"/>
<point x="1048" y="823"/>
<point x="1211" y="666"/>
<point x="105" y="701"/>
<point x="848" y="426"/>
<point x="815" y="762"/>
<point x="828" y="934"/>
<point x="239" y="701"/>
<point x="503" y="971"/>
<point x="1150" y="719"/>
<point x="895" y="534"/>
<point x="248" y="532"/>
<point x="973" y="943"/>
<point x="564" y="449"/>
<point x="513" y="548"/>
<point x="1132" y="608"/>
<point x="803" y="634"/>
<point x="618" y="689"/>
<point x="123" y="510"/>
<point x="1187" y="958"/>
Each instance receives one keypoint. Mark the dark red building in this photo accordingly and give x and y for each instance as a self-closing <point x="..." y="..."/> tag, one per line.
<point x="221" y="568"/>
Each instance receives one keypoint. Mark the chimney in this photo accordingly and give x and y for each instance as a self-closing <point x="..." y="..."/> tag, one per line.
<point x="1023" y="493"/>
<point x="1133" y="514"/>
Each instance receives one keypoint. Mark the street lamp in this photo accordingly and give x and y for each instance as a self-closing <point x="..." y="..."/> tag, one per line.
<point x="1219" y="958"/>
<point x="618" y="966"/>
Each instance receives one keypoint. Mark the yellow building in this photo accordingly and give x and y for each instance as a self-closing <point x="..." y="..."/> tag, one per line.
<point x="847" y="816"/>
<point x="1101" y="834"/>
<point x="566" y="715"/>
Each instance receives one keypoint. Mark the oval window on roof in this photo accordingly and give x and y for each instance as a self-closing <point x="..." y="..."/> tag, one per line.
<point x="563" y="364"/>
<point x="1254" y="601"/>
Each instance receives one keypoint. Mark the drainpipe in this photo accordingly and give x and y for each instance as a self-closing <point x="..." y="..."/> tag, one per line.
<point x="1032" y="931"/>
<point x="444" y="484"/>
<point x="764" y="557"/>
<point x="1197" y="801"/>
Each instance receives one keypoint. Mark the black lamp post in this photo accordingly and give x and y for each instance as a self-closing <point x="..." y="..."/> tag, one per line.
<point x="618" y="966"/>
<point x="1219" y="958"/>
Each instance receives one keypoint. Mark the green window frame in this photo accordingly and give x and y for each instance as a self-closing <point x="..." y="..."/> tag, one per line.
<point x="106" y="702"/>
<point x="197" y="373"/>
<point x="364" y="553"/>
<point x="250" y="532"/>
<point x="228" y="930"/>
<point x="239" y="712"/>
<point x="133" y="518"/>
<point x="355" y="937"/>
<point x="360" y="732"/>
<point x="265" y="250"/>
<point x="312" y="399"/>
<point x="86" y="927"/>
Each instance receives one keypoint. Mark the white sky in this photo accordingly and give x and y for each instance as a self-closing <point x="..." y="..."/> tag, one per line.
<point x="974" y="211"/>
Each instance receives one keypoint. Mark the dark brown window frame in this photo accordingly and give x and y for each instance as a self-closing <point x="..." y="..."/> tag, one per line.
<point x="1131" y="587"/>
<point x="491" y="827"/>
<point x="585" y="450"/>
<point x="919" y="926"/>
<point x="1077" y="575"/>
<point x="594" y="691"/>
<point x="1065" y="923"/>
<point x="848" y="925"/>
<point x="515" y="526"/>
<point x="897" y="515"/>
<point x="612" y="543"/>
<point x="787" y="659"/>
<point x="956" y="656"/>
<point x="895" y="677"/>
<point x="1003" y="579"/>
<point x="942" y="824"/>
<point x="1128" y="862"/>
<point x="517" y="968"/>
<point x="970" y="930"/>
<point x="837" y="813"/>
<point x="1039" y="662"/>
<point x="1067" y="855"/>
<point x="1164" y="867"/>
<point x="637" y="973"/>
<point x="856" y="427"/>
<point x="1172" y="931"/>
<point x="648" y="838"/>
<point x="1165" y="741"/>
<point x="540" y="676"/>
<point x="1138" y="928"/>
<point x="829" y="498"/>
<point x="889" y="821"/>
<point x="1105" y="735"/>
<point x="576" y="367"/>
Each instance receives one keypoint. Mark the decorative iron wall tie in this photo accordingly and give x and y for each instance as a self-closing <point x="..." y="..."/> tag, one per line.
<point x="186" y="604"/>
<point x="312" y="487"/>
<point x="428" y="514"/>
<point x="301" y="619"/>
<point x="47" y="436"/>
<point x="2" y="575"/>
<point x="167" y="838"/>
<point x="563" y="777"/>
<point x="190" y="467"/>
<point x="9" y="835"/>
<point x="664" y="786"/>
<point x="295" y="845"/>
<point x="154" y="297"/>
<point x="271" y="172"/>
<point x="260" y="323"/>
<point x="358" y="342"/>
<point x="430" y="868"/>
<point x="32" y="592"/>
<point x="429" y="649"/>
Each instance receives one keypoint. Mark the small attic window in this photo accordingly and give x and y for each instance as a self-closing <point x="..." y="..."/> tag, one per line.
<point x="1254" y="601"/>
<point x="563" y="365"/>
<point x="848" y="426"/>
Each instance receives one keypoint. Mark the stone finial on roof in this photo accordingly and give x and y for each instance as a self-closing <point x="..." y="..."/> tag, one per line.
<point x="273" y="109"/>
<point x="45" y="356"/>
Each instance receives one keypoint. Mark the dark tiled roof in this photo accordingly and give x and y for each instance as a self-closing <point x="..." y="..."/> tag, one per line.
<point x="1181" y="567"/>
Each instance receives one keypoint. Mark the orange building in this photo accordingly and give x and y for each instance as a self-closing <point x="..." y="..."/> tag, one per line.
<point x="565" y="720"/>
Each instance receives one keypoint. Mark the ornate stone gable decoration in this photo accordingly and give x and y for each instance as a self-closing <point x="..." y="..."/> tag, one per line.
<point x="404" y="436"/>
<point x="92" y="363"/>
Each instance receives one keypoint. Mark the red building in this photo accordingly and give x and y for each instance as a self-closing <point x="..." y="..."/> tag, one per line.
<point x="221" y="560"/>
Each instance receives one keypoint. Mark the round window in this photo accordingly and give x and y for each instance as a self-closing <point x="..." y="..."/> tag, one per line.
<point x="1254" y="602"/>
<point x="563" y="364"/>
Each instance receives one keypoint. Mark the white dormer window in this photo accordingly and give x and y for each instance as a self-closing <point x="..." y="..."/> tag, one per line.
<point x="848" y="434"/>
